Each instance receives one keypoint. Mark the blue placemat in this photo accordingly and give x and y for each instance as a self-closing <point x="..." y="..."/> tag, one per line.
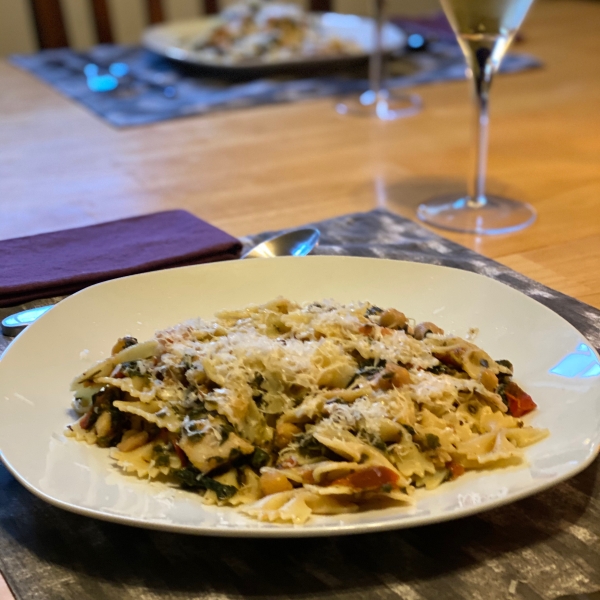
<point x="151" y="88"/>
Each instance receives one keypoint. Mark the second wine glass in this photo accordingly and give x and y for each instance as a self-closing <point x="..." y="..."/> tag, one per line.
<point x="379" y="101"/>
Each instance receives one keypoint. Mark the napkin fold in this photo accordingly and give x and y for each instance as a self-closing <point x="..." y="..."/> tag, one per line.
<point x="62" y="262"/>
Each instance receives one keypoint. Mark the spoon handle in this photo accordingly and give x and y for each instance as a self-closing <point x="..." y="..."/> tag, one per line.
<point x="15" y="323"/>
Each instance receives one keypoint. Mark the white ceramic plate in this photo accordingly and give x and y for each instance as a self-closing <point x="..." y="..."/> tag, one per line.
<point x="37" y="368"/>
<point x="170" y="40"/>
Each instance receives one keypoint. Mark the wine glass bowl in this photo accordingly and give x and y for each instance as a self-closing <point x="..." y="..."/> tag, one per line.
<point x="484" y="29"/>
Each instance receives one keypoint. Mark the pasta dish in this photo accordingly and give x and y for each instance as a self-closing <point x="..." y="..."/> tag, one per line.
<point x="286" y="410"/>
<point x="267" y="31"/>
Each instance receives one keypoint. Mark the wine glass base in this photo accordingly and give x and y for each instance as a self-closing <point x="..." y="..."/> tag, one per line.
<point x="498" y="215"/>
<point x="386" y="105"/>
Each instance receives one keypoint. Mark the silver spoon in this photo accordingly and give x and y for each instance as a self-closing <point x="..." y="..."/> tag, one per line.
<point x="298" y="242"/>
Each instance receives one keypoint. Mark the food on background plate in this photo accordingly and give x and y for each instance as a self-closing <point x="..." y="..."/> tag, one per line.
<point x="287" y="410"/>
<point x="267" y="31"/>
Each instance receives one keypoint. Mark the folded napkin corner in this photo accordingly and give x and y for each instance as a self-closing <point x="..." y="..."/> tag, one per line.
<point x="63" y="262"/>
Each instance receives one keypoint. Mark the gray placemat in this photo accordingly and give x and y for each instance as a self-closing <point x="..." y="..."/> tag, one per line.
<point x="542" y="547"/>
<point x="156" y="89"/>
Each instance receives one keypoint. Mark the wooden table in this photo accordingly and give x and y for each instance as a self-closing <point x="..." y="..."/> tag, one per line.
<point x="281" y="166"/>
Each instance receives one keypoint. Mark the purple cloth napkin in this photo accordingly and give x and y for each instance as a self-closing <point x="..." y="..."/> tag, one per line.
<point x="62" y="262"/>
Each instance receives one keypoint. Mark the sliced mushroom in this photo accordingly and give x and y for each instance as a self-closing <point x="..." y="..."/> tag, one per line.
<point x="422" y="329"/>
<point x="393" y="319"/>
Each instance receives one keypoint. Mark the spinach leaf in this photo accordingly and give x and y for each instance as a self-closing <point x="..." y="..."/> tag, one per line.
<point x="369" y="368"/>
<point x="225" y="429"/>
<point x="256" y="385"/>
<point x="161" y="455"/>
<point x="506" y="363"/>
<point x="132" y="369"/>
<point x="373" y="440"/>
<point x="432" y="441"/>
<point x="197" y="411"/>
<point x="408" y="428"/>
<point x="259" y="458"/>
<point x="312" y="448"/>
<point x="257" y="381"/>
<point x="504" y="378"/>
<point x="441" y="369"/>
<point x="501" y="391"/>
<point x="192" y="478"/>
<point x="162" y="460"/>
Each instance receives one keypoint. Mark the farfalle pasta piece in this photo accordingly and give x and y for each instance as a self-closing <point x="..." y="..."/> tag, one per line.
<point x="336" y="368"/>
<point x="410" y="461"/>
<point x="343" y="443"/>
<point x="489" y="448"/>
<point x="331" y="470"/>
<point x="154" y="411"/>
<point x="140" y="461"/>
<point x="136" y="387"/>
<point x="329" y="505"/>
<point x="432" y="480"/>
<point x="249" y="491"/>
<point x="76" y="432"/>
<point x="284" y="507"/>
<point x="495" y="421"/>
<point x="525" y="436"/>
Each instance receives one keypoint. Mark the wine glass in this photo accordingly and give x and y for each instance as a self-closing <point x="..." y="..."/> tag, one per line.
<point x="485" y="29"/>
<point x="378" y="101"/>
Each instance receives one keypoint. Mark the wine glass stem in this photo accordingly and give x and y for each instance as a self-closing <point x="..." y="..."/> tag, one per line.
<point x="376" y="59"/>
<point x="482" y="80"/>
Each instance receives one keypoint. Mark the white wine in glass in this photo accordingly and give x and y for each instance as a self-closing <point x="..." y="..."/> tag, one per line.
<point x="485" y="29"/>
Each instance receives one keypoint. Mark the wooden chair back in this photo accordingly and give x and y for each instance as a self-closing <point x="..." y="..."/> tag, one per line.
<point x="52" y="33"/>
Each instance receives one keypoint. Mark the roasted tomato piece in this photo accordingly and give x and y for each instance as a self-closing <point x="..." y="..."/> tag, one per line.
<point x="366" y="329"/>
<point x="86" y="421"/>
<point x="455" y="469"/>
<point x="519" y="403"/>
<point x="369" y="478"/>
<point x="180" y="453"/>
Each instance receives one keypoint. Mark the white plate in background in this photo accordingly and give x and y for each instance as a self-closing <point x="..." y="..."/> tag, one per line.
<point x="171" y="40"/>
<point x="37" y="368"/>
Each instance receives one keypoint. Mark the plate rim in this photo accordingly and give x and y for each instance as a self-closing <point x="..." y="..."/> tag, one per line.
<point x="263" y="530"/>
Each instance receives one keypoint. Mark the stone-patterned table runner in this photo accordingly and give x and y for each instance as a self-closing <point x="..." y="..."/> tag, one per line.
<point x="544" y="547"/>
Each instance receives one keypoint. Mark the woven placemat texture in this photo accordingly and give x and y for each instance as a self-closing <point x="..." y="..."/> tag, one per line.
<point x="543" y="547"/>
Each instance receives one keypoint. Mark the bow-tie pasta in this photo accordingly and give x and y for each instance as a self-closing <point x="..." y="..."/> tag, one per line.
<point x="287" y="410"/>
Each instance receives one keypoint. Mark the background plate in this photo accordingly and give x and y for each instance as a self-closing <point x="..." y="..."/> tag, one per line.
<point x="36" y="370"/>
<point x="168" y="40"/>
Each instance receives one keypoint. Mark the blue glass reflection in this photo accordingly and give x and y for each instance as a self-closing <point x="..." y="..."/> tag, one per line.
<point x="118" y="69"/>
<point x="90" y="70"/>
<point x="99" y="83"/>
<point x="102" y="83"/>
<point x="581" y="363"/>
<point x="415" y="41"/>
